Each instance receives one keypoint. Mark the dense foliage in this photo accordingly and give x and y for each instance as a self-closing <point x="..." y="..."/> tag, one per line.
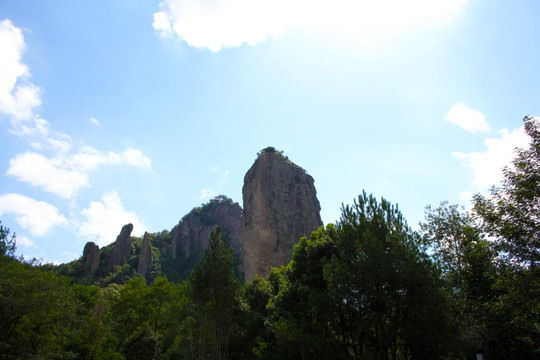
<point x="367" y="287"/>
<point x="512" y="212"/>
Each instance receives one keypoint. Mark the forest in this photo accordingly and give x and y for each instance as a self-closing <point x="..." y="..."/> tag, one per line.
<point x="367" y="287"/>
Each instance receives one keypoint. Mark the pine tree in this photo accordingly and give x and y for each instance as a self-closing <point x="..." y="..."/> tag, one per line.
<point x="215" y="289"/>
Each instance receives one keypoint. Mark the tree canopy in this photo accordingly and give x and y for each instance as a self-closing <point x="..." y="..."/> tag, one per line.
<point x="512" y="211"/>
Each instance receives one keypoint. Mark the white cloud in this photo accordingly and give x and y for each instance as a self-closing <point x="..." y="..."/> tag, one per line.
<point x="56" y="163"/>
<point x="466" y="196"/>
<point x="486" y="166"/>
<point x="104" y="220"/>
<point x="34" y="128"/>
<point x="62" y="143"/>
<point x="217" y="24"/>
<point x="39" y="136"/>
<point x="64" y="175"/>
<point x="47" y="174"/>
<point x="18" y="96"/>
<point x="38" y="217"/>
<point x="207" y="193"/>
<point x="466" y="118"/>
<point x="162" y="23"/>
<point x="26" y="242"/>
<point x="135" y="158"/>
<point x="36" y="145"/>
<point x="88" y="159"/>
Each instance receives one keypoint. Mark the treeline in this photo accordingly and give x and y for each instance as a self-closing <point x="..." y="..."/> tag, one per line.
<point x="367" y="287"/>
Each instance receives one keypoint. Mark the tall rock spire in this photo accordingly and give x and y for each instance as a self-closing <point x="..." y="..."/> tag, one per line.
<point x="122" y="247"/>
<point x="145" y="256"/>
<point x="90" y="258"/>
<point x="280" y="206"/>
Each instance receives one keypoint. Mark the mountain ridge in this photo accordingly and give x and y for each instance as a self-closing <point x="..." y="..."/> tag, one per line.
<point x="280" y="206"/>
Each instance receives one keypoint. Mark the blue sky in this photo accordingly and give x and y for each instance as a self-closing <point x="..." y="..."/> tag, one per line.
<point x="137" y="111"/>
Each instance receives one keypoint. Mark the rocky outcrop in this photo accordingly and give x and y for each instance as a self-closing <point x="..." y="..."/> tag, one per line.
<point x="122" y="247"/>
<point x="90" y="259"/>
<point x="280" y="206"/>
<point x="192" y="235"/>
<point x="145" y="256"/>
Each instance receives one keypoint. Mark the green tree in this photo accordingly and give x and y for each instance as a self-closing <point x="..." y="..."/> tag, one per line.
<point x="303" y="309"/>
<point x="388" y="294"/>
<point x="152" y="313"/>
<point x="7" y="243"/>
<point x="37" y="312"/>
<point x="168" y="304"/>
<point x="255" y="335"/>
<point x="141" y="345"/>
<point x="215" y="295"/>
<point x="511" y="212"/>
<point x="88" y="334"/>
<point x="362" y="289"/>
<point x="511" y="215"/>
<point x="467" y="260"/>
<point x="513" y="318"/>
<point x="129" y="309"/>
<point x="446" y="233"/>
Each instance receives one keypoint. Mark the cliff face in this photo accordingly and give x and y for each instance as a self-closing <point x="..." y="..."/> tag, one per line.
<point x="145" y="256"/>
<point x="192" y="235"/>
<point x="90" y="258"/>
<point x="122" y="247"/>
<point x="280" y="206"/>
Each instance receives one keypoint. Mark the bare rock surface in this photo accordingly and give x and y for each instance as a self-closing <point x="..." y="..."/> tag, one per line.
<point x="145" y="256"/>
<point x="122" y="247"/>
<point x="280" y="206"/>
<point x="192" y="234"/>
<point x="90" y="259"/>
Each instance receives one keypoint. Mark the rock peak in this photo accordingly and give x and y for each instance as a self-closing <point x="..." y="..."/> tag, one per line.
<point x="280" y="206"/>
<point x="192" y="234"/>
<point x="145" y="256"/>
<point x="90" y="258"/>
<point x="122" y="247"/>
